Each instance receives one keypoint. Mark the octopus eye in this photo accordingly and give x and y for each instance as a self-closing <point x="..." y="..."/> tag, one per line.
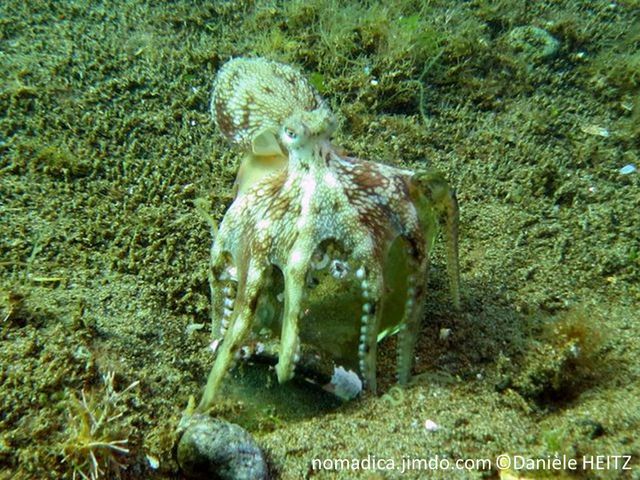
<point x="290" y="133"/>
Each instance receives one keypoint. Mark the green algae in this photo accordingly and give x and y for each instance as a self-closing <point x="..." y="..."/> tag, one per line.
<point x="106" y="143"/>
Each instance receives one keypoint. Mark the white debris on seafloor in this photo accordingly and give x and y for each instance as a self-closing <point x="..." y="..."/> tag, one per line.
<point x="444" y="334"/>
<point x="193" y="327"/>
<point x="154" y="463"/>
<point x="345" y="383"/>
<point x="595" y="130"/>
<point x="431" y="426"/>
<point x="628" y="169"/>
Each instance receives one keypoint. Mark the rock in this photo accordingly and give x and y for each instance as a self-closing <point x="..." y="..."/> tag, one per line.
<point x="532" y="44"/>
<point x="211" y="448"/>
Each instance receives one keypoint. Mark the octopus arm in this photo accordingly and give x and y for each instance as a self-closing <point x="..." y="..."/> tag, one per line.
<point x="437" y="207"/>
<point x="249" y="288"/>
<point x="294" y="281"/>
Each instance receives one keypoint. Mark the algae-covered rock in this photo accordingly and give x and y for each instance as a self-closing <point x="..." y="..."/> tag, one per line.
<point x="566" y="360"/>
<point x="212" y="448"/>
<point x="532" y="44"/>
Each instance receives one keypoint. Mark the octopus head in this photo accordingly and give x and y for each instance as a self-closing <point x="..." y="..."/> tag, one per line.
<point x="304" y="129"/>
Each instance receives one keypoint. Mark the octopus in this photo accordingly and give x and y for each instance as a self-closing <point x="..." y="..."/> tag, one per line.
<point x="249" y="111"/>
<point x="312" y="218"/>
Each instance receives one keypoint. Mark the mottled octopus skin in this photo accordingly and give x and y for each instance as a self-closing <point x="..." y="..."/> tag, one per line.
<point x="251" y="99"/>
<point x="283" y="218"/>
<point x="254" y="94"/>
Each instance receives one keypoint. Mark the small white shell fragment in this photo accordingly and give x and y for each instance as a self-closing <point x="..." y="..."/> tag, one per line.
<point x="193" y="327"/>
<point x="154" y="463"/>
<point x="628" y="169"/>
<point x="431" y="426"/>
<point x="213" y="346"/>
<point x="595" y="130"/>
<point x="444" y="333"/>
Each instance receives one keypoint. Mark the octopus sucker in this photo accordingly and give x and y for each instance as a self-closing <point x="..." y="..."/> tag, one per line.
<point x="369" y="328"/>
<point x="327" y="252"/>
